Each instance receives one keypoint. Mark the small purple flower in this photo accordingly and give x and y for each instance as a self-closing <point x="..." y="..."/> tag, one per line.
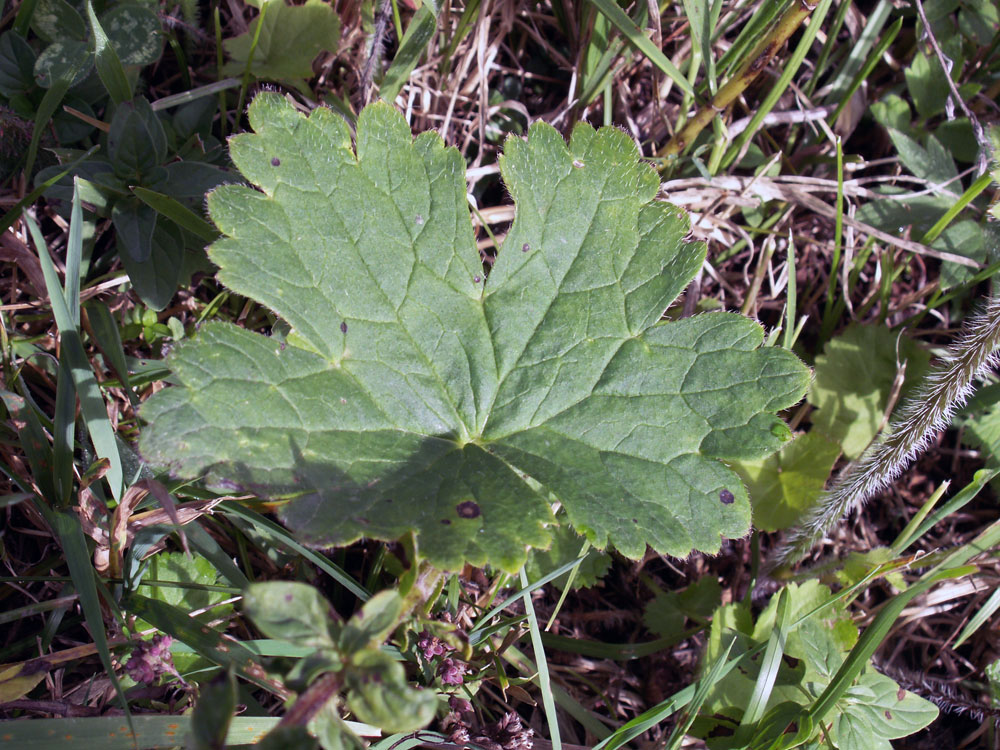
<point x="451" y="671"/>
<point x="431" y="646"/>
<point x="150" y="659"/>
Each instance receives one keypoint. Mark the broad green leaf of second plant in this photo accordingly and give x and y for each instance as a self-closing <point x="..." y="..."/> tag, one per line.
<point x="416" y="393"/>
<point x="785" y="484"/>
<point x="290" y="39"/>
<point x="854" y="378"/>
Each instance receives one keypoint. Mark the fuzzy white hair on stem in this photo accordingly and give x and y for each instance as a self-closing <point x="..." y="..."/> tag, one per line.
<point x="923" y="414"/>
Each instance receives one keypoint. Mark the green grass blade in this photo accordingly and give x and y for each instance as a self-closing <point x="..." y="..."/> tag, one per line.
<point x="92" y="404"/>
<point x="781" y="85"/>
<point x="111" y="733"/>
<point x="964" y="200"/>
<point x="704" y="686"/>
<point x="869" y="65"/>
<point x="906" y="536"/>
<point x="74" y="256"/>
<point x="109" y="67"/>
<point x="34" y="443"/>
<point x="475" y="634"/>
<point x="979" y="480"/>
<point x="840" y="87"/>
<point x="23" y="17"/>
<point x="701" y="21"/>
<point x="7" y="220"/>
<point x="281" y="536"/>
<point x="43" y="118"/>
<point x="544" y="682"/>
<point x="562" y="698"/>
<point x="418" y="35"/>
<point x="792" y="296"/>
<point x="750" y="35"/>
<point x="177" y="212"/>
<point x="769" y="664"/>
<point x="64" y="432"/>
<point x="247" y="71"/>
<point x="184" y="97"/>
<point x="871" y="639"/>
<point x="209" y="643"/>
<point x="832" y="35"/>
<point x="615" y="651"/>
<point x="109" y="341"/>
<point x="986" y="541"/>
<point x="641" y="42"/>
<point x="74" y="546"/>
<point x="989" y="608"/>
<point x="202" y="541"/>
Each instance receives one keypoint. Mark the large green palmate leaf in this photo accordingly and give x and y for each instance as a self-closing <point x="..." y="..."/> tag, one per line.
<point x="415" y="393"/>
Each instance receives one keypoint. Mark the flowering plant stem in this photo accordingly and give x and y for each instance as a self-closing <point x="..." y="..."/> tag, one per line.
<point x="922" y="415"/>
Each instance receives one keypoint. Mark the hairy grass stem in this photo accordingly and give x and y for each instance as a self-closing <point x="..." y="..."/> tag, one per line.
<point x="922" y="415"/>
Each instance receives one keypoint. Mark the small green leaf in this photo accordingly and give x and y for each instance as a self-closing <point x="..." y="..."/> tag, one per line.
<point x="993" y="675"/>
<point x="184" y="568"/>
<point x="292" y="37"/>
<point x="287" y="738"/>
<point x="378" y="694"/>
<point x="134" y="33"/>
<point x="854" y="377"/>
<point x="414" y="392"/>
<point x="876" y="710"/>
<point x="17" y="65"/>
<point x="292" y="612"/>
<point x="134" y="225"/>
<point x="927" y="84"/>
<point x="566" y="546"/>
<point x="57" y="20"/>
<point x="136" y="140"/>
<point x="213" y="713"/>
<point x="332" y="732"/>
<point x="64" y="60"/>
<point x="373" y="623"/>
<point x="155" y="279"/>
<point x="786" y="484"/>
<point x="665" y="614"/>
<point x="932" y="163"/>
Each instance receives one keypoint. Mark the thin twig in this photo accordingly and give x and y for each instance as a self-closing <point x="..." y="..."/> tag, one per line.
<point x="985" y="149"/>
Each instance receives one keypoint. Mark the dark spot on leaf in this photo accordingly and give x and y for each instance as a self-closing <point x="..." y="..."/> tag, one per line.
<point x="468" y="509"/>
<point x="476" y="279"/>
<point x="635" y="520"/>
<point x="275" y="162"/>
<point x="525" y="247"/>
<point x="343" y="327"/>
<point x="387" y="500"/>
<point x="446" y="522"/>
<point x="888" y="715"/>
<point x="289" y="597"/>
<point x="727" y="497"/>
